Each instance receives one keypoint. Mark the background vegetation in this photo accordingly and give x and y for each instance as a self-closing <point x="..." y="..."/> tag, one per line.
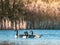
<point x="37" y="14"/>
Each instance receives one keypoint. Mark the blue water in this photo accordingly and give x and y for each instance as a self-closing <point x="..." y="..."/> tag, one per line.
<point x="48" y="36"/>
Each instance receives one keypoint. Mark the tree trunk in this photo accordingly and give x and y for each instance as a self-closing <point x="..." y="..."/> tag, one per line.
<point x="1" y="24"/>
<point x="15" y="25"/>
<point x="2" y="12"/>
<point x="19" y="24"/>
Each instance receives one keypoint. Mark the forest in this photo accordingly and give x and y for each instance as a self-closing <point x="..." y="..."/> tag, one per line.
<point x="29" y="14"/>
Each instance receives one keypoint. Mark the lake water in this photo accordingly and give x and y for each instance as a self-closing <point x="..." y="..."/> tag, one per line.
<point x="49" y="37"/>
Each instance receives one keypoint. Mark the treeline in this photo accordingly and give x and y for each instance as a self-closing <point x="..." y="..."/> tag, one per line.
<point x="14" y="15"/>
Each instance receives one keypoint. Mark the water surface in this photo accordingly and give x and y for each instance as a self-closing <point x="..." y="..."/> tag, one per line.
<point x="49" y="37"/>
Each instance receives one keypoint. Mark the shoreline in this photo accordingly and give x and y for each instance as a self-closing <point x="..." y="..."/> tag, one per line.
<point x="41" y="42"/>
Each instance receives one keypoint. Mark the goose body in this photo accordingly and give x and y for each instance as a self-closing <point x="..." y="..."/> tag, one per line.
<point x="29" y="36"/>
<point x="26" y="35"/>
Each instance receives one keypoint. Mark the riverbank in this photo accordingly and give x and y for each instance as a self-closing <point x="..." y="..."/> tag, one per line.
<point x="6" y="43"/>
<point x="30" y="42"/>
